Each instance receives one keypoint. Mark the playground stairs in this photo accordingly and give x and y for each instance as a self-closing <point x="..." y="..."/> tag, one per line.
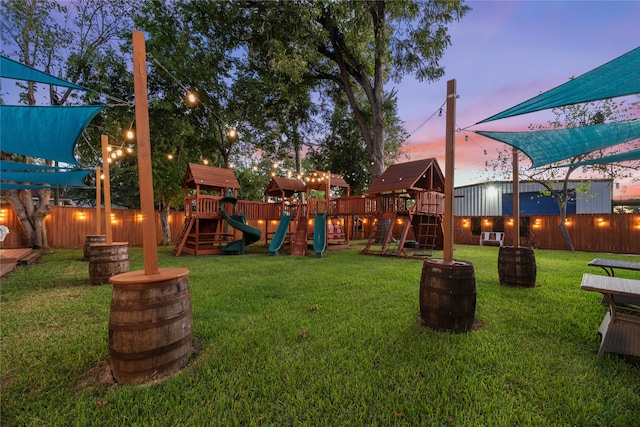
<point x="299" y="245"/>
<point x="183" y="235"/>
<point x="202" y="236"/>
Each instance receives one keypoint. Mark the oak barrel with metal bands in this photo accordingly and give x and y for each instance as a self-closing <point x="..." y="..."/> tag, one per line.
<point x="150" y="325"/>
<point x="447" y="295"/>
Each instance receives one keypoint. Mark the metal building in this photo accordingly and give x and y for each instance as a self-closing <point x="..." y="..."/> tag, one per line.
<point x="495" y="198"/>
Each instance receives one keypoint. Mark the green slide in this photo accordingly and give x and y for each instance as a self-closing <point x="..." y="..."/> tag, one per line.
<point x="280" y="234"/>
<point x="319" y="234"/>
<point x="238" y="221"/>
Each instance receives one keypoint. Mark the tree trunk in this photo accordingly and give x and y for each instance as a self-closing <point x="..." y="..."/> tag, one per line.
<point x="565" y="235"/>
<point x="164" y="225"/>
<point x="31" y="216"/>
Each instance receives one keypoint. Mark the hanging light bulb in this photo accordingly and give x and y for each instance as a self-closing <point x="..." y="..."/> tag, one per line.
<point x="232" y="133"/>
<point x="170" y="156"/>
<point x="440" y="113"/>
<point x="130" y="134"/>
<point x="191" y="98"/>
<point x="466" y="137"/>
<point x="119" y="152"/>
<point x="129" y="150"/>
<point x="205" y="161"/>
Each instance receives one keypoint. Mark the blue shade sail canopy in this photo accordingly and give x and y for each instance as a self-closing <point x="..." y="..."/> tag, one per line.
<point x="548" y="146"/>
<point x="13" y="186"/>
<point x="619" y="77"/>
<point x="67" y="179"/>
<point x="11" y="69"/>
<point x="44" y="132"/>
<point x="614" y="158"/>
<point x="6" y="165"/>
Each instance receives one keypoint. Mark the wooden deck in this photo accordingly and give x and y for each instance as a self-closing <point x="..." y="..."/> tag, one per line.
<point x="11" y="258"/>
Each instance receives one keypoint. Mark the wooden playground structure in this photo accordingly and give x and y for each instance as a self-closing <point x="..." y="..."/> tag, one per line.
<point x="403" y="207"/>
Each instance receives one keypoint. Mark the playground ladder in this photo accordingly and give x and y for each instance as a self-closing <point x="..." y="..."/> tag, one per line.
<point x="425" y="228"/>
<point x="183" y="235"/>
<point x="299" y="245"/>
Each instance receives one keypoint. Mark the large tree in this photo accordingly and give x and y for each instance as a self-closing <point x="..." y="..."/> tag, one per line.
<point x="357" y="46"/>
<point x="60" y="40"/>
<point x="343" y="150"/>
<point x="35" y="37"/>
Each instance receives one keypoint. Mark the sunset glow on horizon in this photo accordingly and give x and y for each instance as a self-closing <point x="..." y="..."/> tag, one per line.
<point x="503" y="53"/>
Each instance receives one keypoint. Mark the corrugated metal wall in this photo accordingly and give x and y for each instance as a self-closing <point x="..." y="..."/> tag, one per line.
<point x="486" y="199"/>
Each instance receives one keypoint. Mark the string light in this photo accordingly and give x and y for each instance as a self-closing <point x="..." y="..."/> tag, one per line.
<point x="191" y="97"/>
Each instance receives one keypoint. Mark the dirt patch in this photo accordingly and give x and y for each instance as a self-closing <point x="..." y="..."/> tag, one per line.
<point x="100" y="374"/>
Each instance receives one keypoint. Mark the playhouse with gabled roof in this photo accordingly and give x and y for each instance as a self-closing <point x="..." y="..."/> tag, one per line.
<point x="206" y="228"/>
<point x="410" y="205"/>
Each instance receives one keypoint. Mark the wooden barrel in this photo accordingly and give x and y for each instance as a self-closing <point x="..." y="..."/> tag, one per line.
<point x="106" y="260"/>
<point x="447" y="295"/>
<point x="150" y="324"/>
<point x="90" y="240"/>
<point x="517" y="266"/>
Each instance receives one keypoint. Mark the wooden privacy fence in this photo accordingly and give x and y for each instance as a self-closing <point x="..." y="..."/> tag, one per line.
<point x="67" y="227"/>
<point x="617" y="233"/>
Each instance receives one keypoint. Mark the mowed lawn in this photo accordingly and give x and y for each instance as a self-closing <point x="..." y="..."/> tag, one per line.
<point x="321" y="342"/>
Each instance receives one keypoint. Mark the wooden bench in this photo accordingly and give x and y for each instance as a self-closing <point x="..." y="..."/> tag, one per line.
<point x="620" y="328"/>
<point x="492" y="237"/>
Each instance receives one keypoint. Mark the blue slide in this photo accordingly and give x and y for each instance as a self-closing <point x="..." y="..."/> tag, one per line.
<point x="280" y="234"/>
<point x="319" y="234"/>
<point x="238" y="221"/>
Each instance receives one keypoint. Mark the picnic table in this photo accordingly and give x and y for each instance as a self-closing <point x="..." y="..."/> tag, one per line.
<point x="620" y="327"/>
<point x="609" y="264"/>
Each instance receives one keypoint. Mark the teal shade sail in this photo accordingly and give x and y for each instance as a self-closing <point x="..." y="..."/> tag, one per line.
<point x="11" y="69"/>
<point x="14" y="186"/>
<point x="67" y="179"/>
<point x="548" y="146"/>
<point x="614" y="158"/>
<point x="619" y="77"/>
<point x="47" y="133"/>
<point x="6" y="165"/>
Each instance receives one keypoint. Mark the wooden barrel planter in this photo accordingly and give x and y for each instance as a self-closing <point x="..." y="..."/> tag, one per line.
<point x="106" y="260"/>
<point x="90" y="240"/>
<point x="447" y="295"/>
<point x="150" y="324"/>
<point x="517" y="266"/>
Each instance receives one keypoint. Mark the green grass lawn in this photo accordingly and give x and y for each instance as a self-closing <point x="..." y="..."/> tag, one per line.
<point x="333" y="341"/>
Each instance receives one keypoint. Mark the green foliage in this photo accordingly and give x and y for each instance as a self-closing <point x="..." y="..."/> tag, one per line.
<point x="333" y="341"/>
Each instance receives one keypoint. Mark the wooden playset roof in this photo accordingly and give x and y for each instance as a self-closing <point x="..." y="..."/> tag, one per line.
<point x="419" y="175"/>
<point x="279" y="186"/>
<point x="317" y="180"/>
<point x="209" y="178"/>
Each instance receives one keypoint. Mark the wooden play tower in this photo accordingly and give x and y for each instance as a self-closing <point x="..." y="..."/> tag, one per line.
<point x="410" y="199"/>
<point x="318" y="199"/>
<point x="204" y="230"/>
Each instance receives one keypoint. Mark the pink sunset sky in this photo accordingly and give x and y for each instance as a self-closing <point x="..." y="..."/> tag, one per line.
<point x="503" y="53"/>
